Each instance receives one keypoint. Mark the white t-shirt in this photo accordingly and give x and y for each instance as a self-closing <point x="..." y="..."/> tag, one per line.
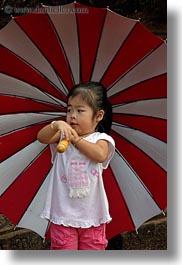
<point x="76" y="196"/>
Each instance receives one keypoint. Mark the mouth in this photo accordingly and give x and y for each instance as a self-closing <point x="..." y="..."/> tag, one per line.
<point x="73" y="124"/>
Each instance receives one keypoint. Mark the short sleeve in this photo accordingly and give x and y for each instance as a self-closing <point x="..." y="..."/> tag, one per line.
<point x="104" y="136"/>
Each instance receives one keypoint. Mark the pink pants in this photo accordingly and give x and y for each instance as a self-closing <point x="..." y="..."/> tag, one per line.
<point x="70" y="238"/>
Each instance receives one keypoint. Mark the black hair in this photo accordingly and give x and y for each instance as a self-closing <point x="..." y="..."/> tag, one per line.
<point x="95" y="95"/>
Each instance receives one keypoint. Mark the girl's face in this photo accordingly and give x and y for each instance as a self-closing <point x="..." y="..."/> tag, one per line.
<point x="80" y="116"/>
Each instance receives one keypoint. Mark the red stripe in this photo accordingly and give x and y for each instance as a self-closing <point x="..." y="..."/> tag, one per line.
<point x="89" y="36"/>
<point x="15" y="67"/>
<point x="149" y="89"/>
<point x="11" y="104"/>
<point x="14" y="142"/>
<point x="152" y="126"/>
<point x="41" y="31"/>
<point x="139" y="43"/>
<point x="149" y="172"/>
<point x="121" y="220"/>
<point x="17" y="198"/>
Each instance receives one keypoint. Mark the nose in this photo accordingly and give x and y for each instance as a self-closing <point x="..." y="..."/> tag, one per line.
<point x="73" y="116"/>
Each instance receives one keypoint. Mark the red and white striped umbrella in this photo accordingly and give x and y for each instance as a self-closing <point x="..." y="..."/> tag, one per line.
<point x="42" y="56"/>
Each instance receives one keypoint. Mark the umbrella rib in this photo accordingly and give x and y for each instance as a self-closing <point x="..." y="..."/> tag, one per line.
<point x="115" y="56"/>
<point x="114" y="132"/>
<point x="144" y="198"/>
<point x="33" y="99"/>
<point x="59" y="102"/>
<point x="134" y="65"/>
<point x="35" y="69"/>
<point x="132" y="114"/>
<point x="27" y="166"/>
<point x="78" y="34"/>
<point x="34" y="196"/>
<point x="47" y="227"/>
<point x="134" y="108"/>
<point x="126" y="162"/>
<point x="56" y="100"/>
<point x="44" y="57"/>
<point x="136" y="129"/>
<point x="52" y="115"/>
<point x="119" y="189"/>
<point x="136" y="175"/>
<point x="62" y="47"/>
<point x="130" y="87"/>
<point x="133" y="101"/>
<point x="100" y="37"/>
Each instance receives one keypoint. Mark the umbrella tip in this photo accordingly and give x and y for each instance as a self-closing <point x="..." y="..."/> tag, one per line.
<point x="136" y="231"/>
<point x="163" y="213"/>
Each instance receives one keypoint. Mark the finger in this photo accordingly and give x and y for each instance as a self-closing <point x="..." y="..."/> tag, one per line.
<point x="68" y="134"/>
<point x="74" y="133"/>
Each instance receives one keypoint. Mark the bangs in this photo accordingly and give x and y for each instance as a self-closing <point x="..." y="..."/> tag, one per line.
<point x="86" y="95"/>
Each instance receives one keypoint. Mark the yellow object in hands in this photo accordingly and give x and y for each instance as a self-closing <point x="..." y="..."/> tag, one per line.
<point x="62" y="146"/>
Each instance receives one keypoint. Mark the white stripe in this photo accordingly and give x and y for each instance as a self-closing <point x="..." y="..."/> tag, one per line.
<point x="13" y="122"/>
<point x="15" y="87"/>
<point x="139" y="201"/>
<point x="116" y="28"/>
<point x="154" y="148"/>
<point x="31" y="219"/>
<point x="66" y="27"/>
<point x="153" y="108"/>
<point x="153" y="65"/>
<point x="22" y="46"/>
<point x="12" y="167"/>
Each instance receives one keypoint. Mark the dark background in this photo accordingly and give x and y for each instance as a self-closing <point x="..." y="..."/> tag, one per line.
<point x="153" y="13"/>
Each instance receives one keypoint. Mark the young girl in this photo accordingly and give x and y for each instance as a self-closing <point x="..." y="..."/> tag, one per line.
<point x="76" y="202"/>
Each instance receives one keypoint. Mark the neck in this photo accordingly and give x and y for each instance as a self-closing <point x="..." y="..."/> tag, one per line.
<point x="85" y="135"/>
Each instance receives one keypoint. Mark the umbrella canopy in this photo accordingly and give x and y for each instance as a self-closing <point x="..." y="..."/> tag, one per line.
<point x="42" y="56"/>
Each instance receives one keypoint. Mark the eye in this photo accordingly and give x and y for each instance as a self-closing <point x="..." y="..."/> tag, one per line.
<point x="80" y="110"/>
<point x="68" y="110"/>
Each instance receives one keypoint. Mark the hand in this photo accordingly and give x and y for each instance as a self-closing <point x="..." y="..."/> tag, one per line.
<point x="66" y="130"/>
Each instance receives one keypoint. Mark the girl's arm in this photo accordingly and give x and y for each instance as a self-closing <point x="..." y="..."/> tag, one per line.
<point x="97" y="152"/>
<point x="48" y="136"/>
<point x="51" y="133"/>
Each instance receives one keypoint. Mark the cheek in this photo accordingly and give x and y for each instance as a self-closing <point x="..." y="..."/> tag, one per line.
<point x="67" y="118"/>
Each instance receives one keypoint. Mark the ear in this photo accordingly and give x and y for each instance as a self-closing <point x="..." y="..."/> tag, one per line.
<point x="100" y="115"/>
